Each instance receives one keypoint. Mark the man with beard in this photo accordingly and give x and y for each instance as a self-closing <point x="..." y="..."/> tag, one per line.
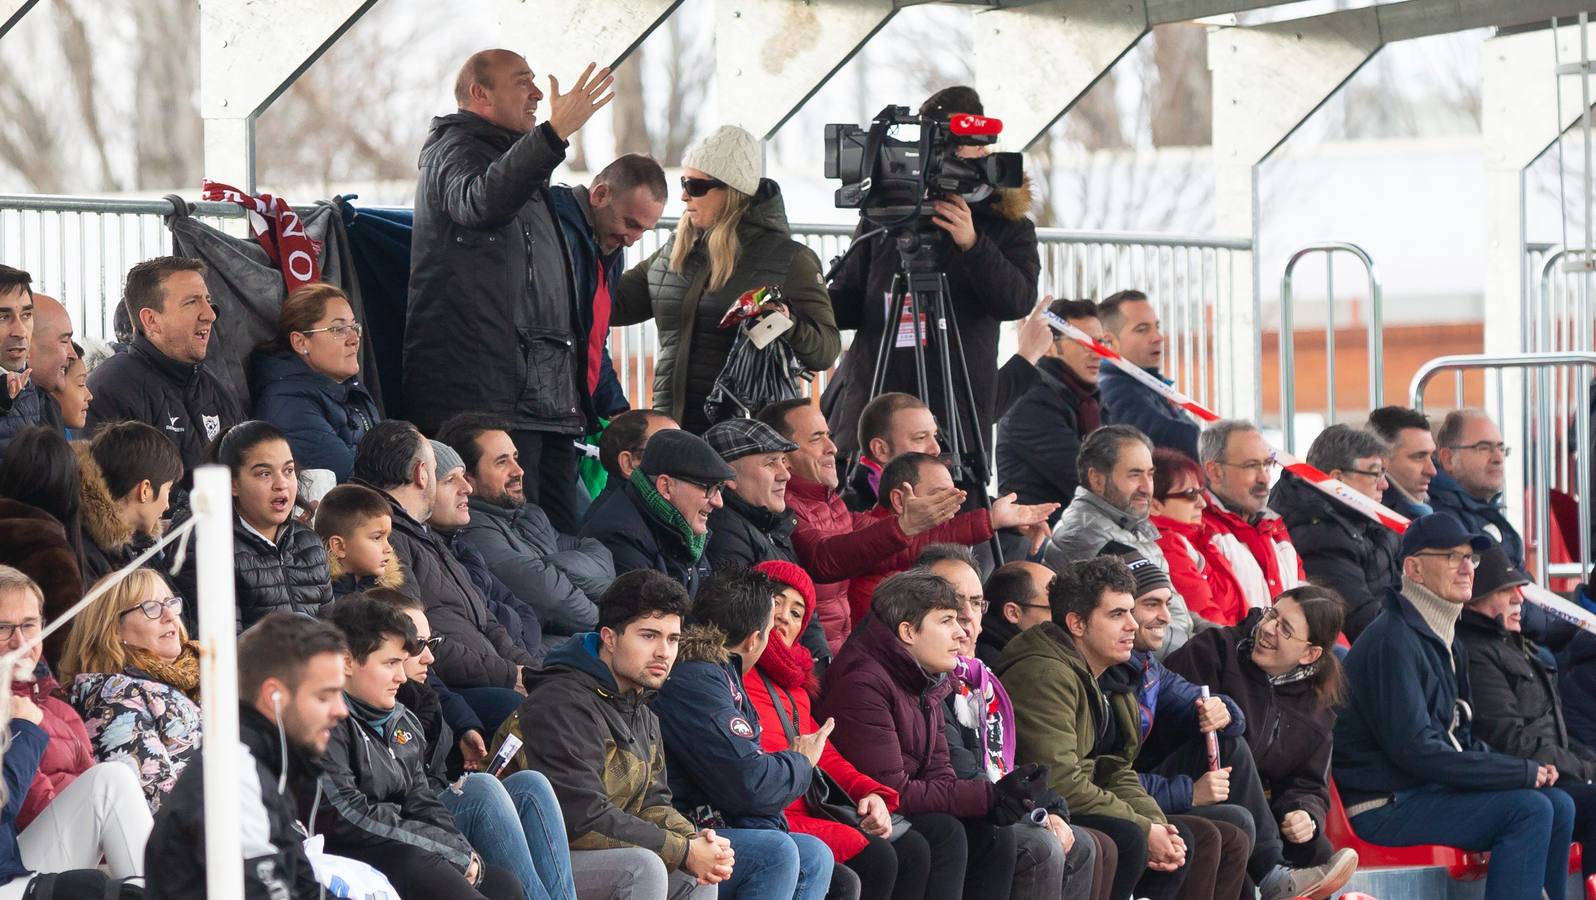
<point x="23" y="400"/>
<point x="560" y="576"/>
<point x="290" y="688"/>
<point x="1253" y="537"/>
<point x="1109" y="513"/>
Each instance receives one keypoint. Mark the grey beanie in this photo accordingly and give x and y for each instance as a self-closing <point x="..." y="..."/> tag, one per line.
<point x="730" y="154"/>
<point x="448" y="459"/>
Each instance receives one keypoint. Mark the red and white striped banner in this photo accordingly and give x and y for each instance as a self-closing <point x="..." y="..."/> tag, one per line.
<point x="278" y="230"/>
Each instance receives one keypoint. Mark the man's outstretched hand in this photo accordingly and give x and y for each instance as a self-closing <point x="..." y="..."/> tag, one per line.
<point x="570" y="111"/>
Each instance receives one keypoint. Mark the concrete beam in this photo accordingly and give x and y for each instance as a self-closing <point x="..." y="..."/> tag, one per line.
<point x="12" y="11"/>
<point x="608" y="32"/>
<point x="773" y="55"/>
<point x="250" y="52"/>
<point x="1018" y="57"/>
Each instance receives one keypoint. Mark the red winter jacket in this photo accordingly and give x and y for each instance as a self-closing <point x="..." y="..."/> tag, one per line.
<point x="889" y="724"/>
<point x="835" y="544"/>
<point x="69" y="753"/>
<point x="1200" y="572"/>
<point x="968" y="528"/>
<point x="1260" y="553"/>
<point x="845" y="841"/>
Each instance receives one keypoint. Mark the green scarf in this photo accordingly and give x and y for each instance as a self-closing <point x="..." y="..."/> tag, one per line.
<point x="668" y="515"/>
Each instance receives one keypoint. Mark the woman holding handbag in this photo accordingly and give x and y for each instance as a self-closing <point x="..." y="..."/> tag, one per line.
<point x="890" y="858"/>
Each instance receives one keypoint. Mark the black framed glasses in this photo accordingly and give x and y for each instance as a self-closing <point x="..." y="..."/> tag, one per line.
<point x="432" y="643"/>
<point x="339" y="331"/>
<point x="1453" y="558"/>
<point x="711" y="490"/>
<point x="152" y="609"/>
<point x="698" y="187"/>
<point x="28" y="628"/>
<point x="1376" y="474"/>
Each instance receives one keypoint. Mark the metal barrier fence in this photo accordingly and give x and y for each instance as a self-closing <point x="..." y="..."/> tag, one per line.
<point x="80" y="247"/>
<point x="1288" y="394"/>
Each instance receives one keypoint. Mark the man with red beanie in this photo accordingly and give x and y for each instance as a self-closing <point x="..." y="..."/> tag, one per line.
<point x="885" y="854"/>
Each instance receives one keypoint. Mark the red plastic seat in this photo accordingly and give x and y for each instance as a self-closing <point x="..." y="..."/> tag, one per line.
<point x="1459" y="864"/>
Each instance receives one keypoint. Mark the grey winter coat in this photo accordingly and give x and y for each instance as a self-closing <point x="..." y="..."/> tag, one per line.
<point x="559" y="576"/>
<point x="1088" y="524"/>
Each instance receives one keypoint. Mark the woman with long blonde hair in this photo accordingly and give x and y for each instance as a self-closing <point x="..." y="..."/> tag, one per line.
<point x="732" y="238"/>
<point x="134" y="677"/>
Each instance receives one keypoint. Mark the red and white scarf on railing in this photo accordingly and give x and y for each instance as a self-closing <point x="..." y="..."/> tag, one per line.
<point x="279" y="230"/>
<point x="1334" y="487"/>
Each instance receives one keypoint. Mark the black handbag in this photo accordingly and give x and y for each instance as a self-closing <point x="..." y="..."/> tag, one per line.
<point x="81" y="884"/>
<point x="825" y="798"/>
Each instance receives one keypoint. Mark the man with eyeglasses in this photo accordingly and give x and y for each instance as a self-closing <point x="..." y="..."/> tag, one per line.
<point x="1472" y="469"/>
<point x="1406" y="761"/>
<point x="1016" y="595"/>
<point x="660" y="520"/>
<point x="1343" y="549"/>
<point x="495" y="313"/>
<point x="1239" y="464"/>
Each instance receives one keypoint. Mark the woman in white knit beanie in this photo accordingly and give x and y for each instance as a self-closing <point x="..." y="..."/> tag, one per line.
<point x="732" y="238"/>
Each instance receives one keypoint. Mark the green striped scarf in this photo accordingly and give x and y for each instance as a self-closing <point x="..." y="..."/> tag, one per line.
<point x="661" y="509"/>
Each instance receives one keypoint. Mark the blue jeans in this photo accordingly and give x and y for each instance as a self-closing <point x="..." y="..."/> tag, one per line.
<point x="516" y="824"/>
<point x="776" y="865"/>
<point x="1527" y="831"/>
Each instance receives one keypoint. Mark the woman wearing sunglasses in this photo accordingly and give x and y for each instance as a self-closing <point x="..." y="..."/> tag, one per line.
<point x="306" y="381"/>
<point x="732" y="238"/>
<point x="1199" y="570"/>
<point x="1278" y="667"/>
<point x="133" y="675"/>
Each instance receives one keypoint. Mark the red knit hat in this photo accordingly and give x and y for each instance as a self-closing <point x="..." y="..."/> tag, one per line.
<point x="792" y="575"/>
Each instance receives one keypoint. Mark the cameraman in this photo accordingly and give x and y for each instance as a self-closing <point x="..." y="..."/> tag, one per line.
<point x="991" y="260"/>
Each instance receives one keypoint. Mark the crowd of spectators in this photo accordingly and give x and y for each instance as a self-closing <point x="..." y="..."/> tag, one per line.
<point x="786" y="654"/>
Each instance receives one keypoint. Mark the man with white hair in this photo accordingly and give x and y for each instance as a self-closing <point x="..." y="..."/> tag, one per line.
<point x="1239" y="464"/>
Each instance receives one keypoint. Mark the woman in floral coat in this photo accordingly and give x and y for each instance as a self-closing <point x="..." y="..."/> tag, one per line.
<point x="134" y="677"/>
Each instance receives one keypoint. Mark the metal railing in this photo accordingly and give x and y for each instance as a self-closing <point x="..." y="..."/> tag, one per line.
<point x="1376" y="361"/>
<point x="1581" y="361"/>
<point x="80" y="247"/>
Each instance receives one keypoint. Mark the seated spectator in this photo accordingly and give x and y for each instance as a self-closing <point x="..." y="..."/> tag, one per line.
<point x="1175" y="768"/>
<point x="1053" y="672"/>
<point x="1471" y="463"/>
<point x="379" y="806"/>
<point x="40" y="532"/>
<point x="1239" y="463"/>
<point x="1040" y="435"/>
<point x="278" y="563"/>
<point x="1516" y="707"/>
<point x="134" y="677"/>
<point x="451" y="511"/>
<point x="515" y="823"/>
<point x="1411" y="464"/>
<point x="1110" y="512"/>
<point x="732" y="237"/>
<point x="913" y="475"/>
<point x="978" y="722"/>
<point x="477" y="659"/>
<point x="162" y="380"/>
<point x="290" y="697"/>
<point x="51" y="348"/>
<point x="1341" y="548"/>
<point x="354" y="523"/>
<point x="23" y="402"/>
<point x="833" y="543"/>
<point x="1131" y="325"/>
<point x="753" y="524"/>
<point x="1406" y="762"/>
<point x="664" y="523"/>
<point x="1016" y="599"/>
<point x="306" y="381"/>
<point x="886" y="690"/>
<point x="622" y="444"/>
<point x="127" y="475"/>
<point x="62" y="810"/>
<point x="719" y="775"/>
<point x="1277" y="665"/>
<point x="559" y="576"/>
<point x="608" y="767"/>
<point x="1198" y="569"/>
<point x="890" y="425"/>
<point x="887" y="859"/>
<point x="72" y="395"/>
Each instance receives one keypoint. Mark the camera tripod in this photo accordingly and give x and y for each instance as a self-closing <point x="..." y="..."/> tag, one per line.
<point x="920" y="294"/>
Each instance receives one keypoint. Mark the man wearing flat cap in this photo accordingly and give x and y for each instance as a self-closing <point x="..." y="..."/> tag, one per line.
<point x="755" y="525"/>
<point x="1408" y="765"/>
<point x="660" y="520"/>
